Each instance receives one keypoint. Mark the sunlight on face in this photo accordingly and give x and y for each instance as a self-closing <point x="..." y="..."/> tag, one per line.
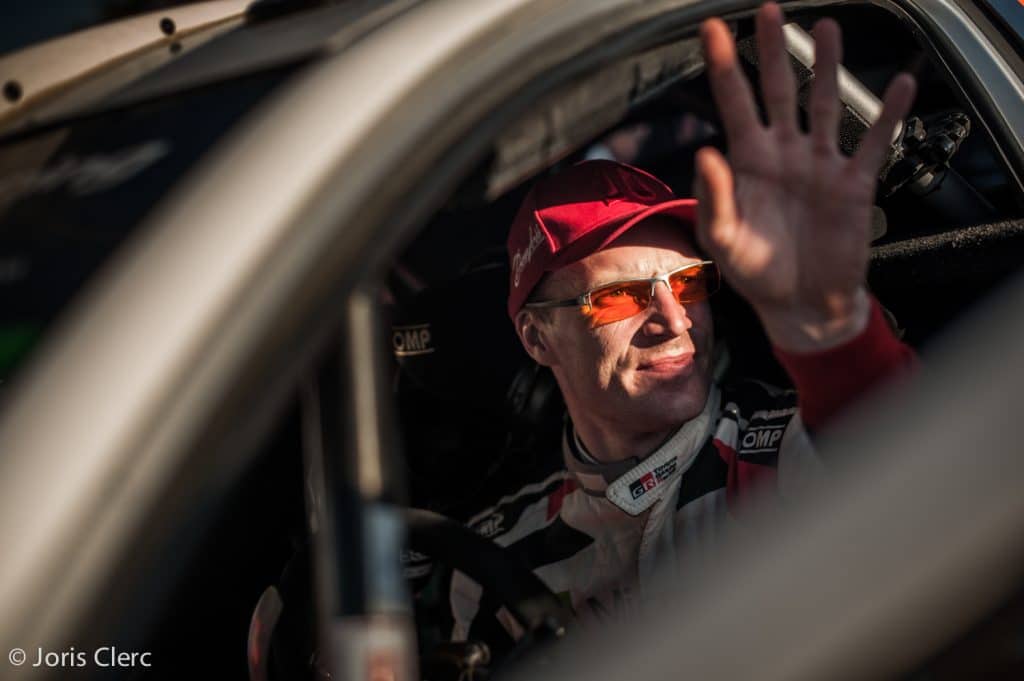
<point x="650" y="371"/>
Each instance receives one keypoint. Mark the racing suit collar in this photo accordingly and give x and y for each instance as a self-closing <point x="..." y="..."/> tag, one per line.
<point x="635" y="484"/>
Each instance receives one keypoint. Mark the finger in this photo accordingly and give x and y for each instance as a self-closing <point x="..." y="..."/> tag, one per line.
<point x="716" y="201"/>
<point x="824" y="99"/>
<point x="875" y="144"/>
<point x="729" y="86"/>
<point x="777" y="82"/>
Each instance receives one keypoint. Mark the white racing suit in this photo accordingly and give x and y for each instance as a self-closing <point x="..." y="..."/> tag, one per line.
<point x="594" y="533"/>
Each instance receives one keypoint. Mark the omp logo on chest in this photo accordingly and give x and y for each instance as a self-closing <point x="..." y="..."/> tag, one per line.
<point x="762" y="438"/>
<point x="411" y="340"/>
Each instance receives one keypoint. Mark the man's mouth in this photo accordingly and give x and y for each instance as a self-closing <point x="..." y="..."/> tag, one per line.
<point x="669" y="365"/>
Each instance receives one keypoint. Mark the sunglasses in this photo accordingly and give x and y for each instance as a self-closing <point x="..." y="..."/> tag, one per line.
<point x="621" y="299"/>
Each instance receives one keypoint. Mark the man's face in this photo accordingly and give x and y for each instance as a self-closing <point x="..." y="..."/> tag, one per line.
<point x="645" y="373"/>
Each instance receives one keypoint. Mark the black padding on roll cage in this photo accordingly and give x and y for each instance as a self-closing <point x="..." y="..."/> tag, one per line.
<point x="970" y="252"/>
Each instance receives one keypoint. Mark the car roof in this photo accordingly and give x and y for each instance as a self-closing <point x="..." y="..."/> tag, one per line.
<point x="124" y="62"/>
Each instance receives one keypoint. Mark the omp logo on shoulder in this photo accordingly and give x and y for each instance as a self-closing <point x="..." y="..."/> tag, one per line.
<point x="652" y="479"/>
<point x="408" y="341"/>
<point x="762" y="438"/>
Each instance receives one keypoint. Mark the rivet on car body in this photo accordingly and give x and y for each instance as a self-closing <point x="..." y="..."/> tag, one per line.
<point x="12" y="91"/>
<point x="167" y="26"/>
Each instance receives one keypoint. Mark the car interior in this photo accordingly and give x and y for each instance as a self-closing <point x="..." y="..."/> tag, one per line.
<point x="475" y="415"/>
<point x="940" y="242"/>
<point x="475" y="412"/>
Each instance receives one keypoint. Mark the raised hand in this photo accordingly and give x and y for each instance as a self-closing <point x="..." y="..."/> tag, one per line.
<point x="788" y="217"/>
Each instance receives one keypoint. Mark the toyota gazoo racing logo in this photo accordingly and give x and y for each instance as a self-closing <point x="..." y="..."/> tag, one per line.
<point x="652" y="479"/>
<point x="641" y="486"/>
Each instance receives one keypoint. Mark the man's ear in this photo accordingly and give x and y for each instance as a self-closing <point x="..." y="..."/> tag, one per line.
<point x="534" y="333"/>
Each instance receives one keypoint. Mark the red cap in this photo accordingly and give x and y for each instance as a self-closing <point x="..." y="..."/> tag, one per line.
<point x="579" y="211"/>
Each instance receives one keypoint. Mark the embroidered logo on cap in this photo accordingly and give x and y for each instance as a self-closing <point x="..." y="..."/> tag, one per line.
<point x="522" y="258"/>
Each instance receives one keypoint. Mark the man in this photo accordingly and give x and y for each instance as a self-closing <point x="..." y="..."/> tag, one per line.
<point x="610" y="276"/>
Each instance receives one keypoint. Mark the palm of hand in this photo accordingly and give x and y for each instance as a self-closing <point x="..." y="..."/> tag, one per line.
<point x="801" y="226"/>
<point x="787" y="217"/>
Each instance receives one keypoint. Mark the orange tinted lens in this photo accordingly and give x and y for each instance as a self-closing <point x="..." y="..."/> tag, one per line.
<point x="694" y="283"/>
<point x="618" y="301"/>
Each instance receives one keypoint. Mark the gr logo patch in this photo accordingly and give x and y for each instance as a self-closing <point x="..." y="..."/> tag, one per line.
<point x="641" y="486"/>
<point x="652" y="479"/>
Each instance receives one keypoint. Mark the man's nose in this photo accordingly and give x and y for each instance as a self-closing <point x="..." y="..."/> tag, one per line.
<point x="666" y="315"/>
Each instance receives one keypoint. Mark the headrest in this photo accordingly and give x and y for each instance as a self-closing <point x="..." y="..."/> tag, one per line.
<point x="456" y="342"/>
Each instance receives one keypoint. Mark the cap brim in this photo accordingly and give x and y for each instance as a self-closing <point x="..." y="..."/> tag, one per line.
<point x="683" y="210"/>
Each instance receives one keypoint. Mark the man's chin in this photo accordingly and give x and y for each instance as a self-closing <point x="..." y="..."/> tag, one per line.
<point x="680" y="397"/>
<point x="686" y="378"/>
